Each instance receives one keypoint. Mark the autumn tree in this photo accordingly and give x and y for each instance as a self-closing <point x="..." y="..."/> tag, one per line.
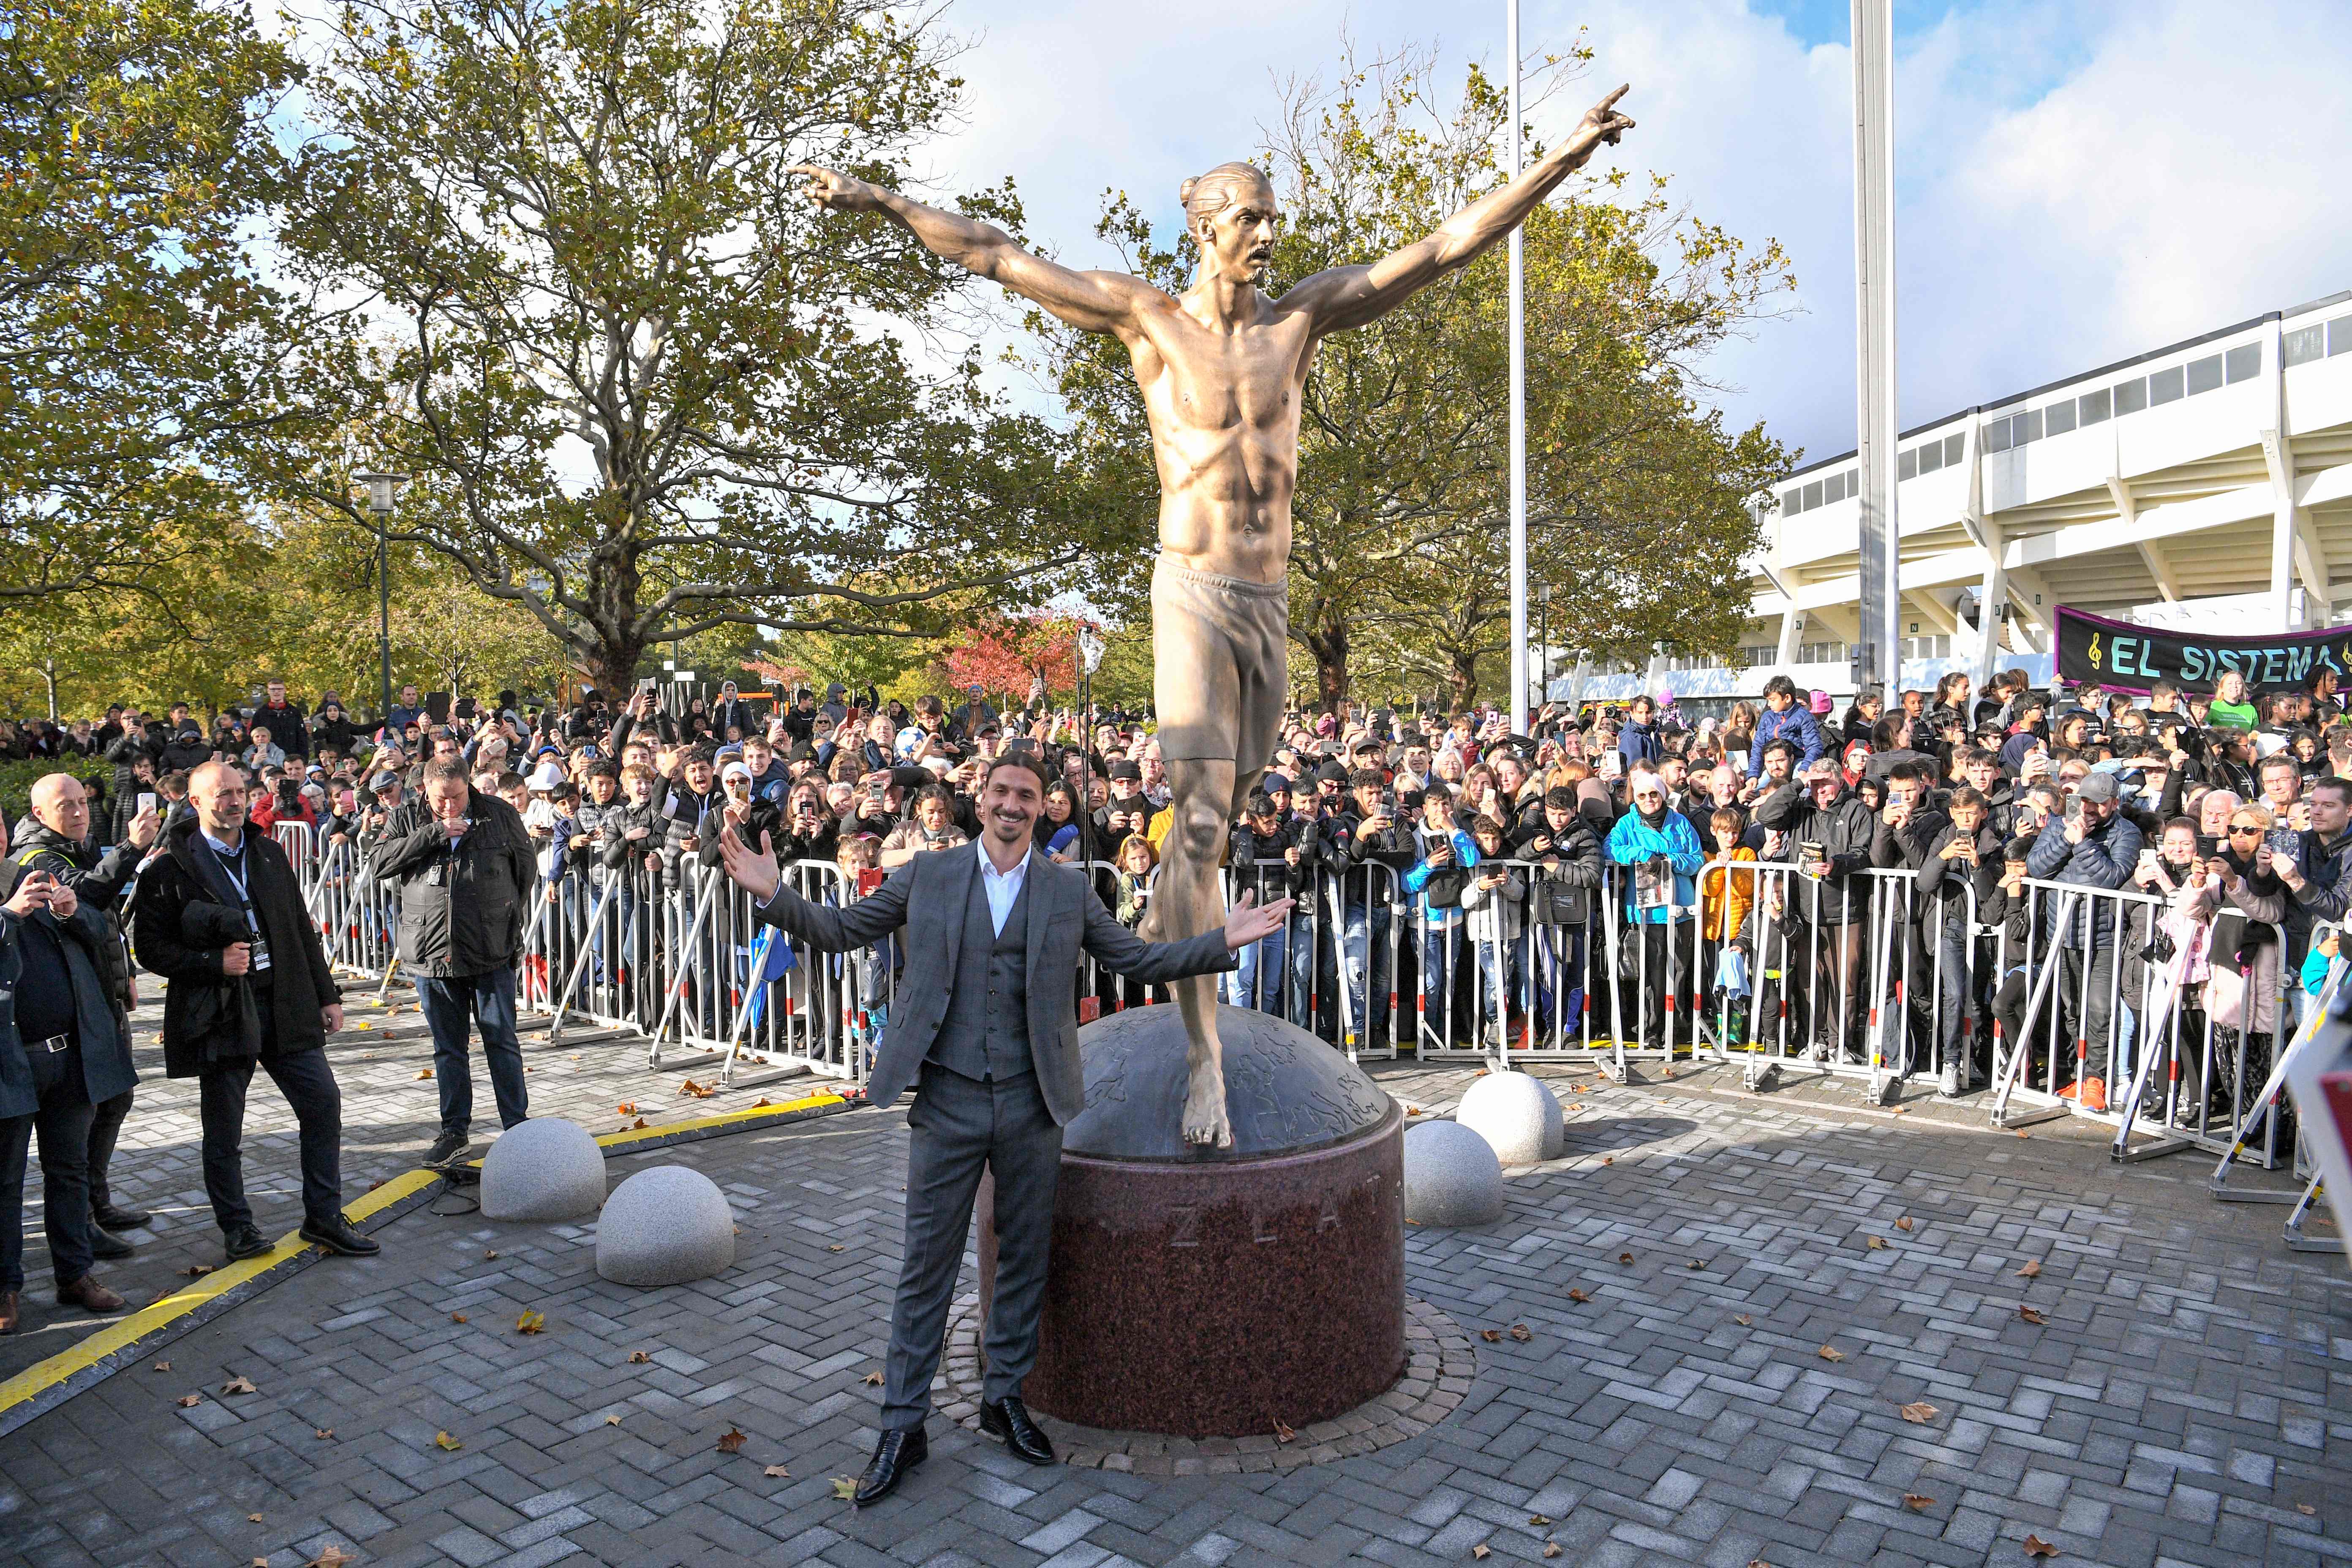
<point x="1016" y="656"/>
<point x="638" y="380"/>
<point x="141" y="358"/>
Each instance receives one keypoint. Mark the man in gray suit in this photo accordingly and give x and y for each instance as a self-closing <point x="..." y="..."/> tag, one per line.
<point x="985" y="1028"/>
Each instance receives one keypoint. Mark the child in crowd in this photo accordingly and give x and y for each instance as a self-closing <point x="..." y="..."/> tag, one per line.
<point x="1725" y="897"/>
<point x="1495" y="897"/>
<point x="874" y="969"/>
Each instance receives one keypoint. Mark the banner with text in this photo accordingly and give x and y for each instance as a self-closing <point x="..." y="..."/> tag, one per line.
<point x="2121" y="657"/>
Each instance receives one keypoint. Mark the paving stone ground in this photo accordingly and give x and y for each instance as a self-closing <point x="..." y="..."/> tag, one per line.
<point x="2187" y="1400"/>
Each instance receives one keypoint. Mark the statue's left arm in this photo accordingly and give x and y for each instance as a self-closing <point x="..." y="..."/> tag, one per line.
<point x="1344" y="297"/>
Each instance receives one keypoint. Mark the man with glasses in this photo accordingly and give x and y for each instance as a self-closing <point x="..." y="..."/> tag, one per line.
<point x="1828" y="836"/>
<point x="2320" y="877"/>
<point x="2091" y="845"/>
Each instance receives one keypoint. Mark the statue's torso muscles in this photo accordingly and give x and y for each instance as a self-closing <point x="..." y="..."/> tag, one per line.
<point x="1225" y="434"/>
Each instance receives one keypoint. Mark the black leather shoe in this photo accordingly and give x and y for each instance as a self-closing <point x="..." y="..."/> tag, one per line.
<point x="245" y="1241"/>
<point x="112" y="1218"/>
<point x="1009" y="1418"/>
<point x="447" y="1147"/>
<point x="336" y="1236"/>
<point x="104" y="1243"/>
<point x="894" y="1456"/>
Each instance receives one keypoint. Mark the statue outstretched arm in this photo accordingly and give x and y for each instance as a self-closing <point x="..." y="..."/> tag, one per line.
<point x="1343" y="297"/>
<point x="1092" y="301"/>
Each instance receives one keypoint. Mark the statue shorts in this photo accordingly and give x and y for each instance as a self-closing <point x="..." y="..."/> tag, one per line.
<point x="1221" y="651"/>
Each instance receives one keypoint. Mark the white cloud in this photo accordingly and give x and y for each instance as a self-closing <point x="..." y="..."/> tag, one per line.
<point x="2077" y="183"/>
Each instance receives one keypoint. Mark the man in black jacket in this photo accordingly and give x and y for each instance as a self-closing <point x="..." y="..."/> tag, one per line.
<point x="221" y="917"/>
<point x="1830" y="835"/>
<point x="467" y="875"/>
<point x="56" y="839"/>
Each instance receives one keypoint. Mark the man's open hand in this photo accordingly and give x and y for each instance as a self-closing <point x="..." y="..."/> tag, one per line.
<point x="1246" y="923"/>
<point x="752" y="870"/>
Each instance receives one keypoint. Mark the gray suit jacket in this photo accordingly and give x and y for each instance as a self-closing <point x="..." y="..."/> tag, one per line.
<point x="928" y="895"/>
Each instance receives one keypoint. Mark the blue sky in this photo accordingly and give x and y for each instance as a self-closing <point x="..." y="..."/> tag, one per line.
<point x="2077" y="182"/>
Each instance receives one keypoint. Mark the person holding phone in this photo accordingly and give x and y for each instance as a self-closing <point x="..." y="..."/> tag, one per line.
<point x="2092" y="844"/>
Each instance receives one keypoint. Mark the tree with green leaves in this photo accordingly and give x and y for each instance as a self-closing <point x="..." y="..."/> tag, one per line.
<point x="641" y="392"/>
<point x="142" y="357"/>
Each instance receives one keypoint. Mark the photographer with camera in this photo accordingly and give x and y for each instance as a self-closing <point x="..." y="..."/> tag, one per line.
<point x="467" y="876"/>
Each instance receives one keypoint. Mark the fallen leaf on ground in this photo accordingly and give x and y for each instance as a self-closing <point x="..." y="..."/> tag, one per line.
<point x="332" y="1557"/>
<point x="2032" y="1267"/>
<point x="1578" y="1296"/>
<point x="254" y="1517"/>
<point x="638" y="1358"/>
<point x="457" y="1317"/>
<point x="240" y="1385"/>
<point x="423" y="1074"/>
<point x="627" y="1108"/>
<point x="1552" y="1548"/>
<point x="760" y="1102"/>
<point x="1744" y="1321"/>
<point x="845" y="1488"/>
<point x="375" y="1184"/>
<point x="2304" y="1507"/>
<point x="2029" y="1135"/>
<point x="188" y="1400"/>
<point x="442" y="1440"/>
<point x="1919" y="1411"/>
<point x="612" y="1420"/>
<point x="1412" y="1110"/>
<point x="2034" y="1546"/>
<point x="1492" y="1336"/>
<point x="1918" y="1501"/>
<point x="691" y="1087"/>
<point x="163" y="1366"/>
<point x="1877" y="1243"/>
<point x="1668" y="1073"/>
<point x="2031" y="1315"/>
<point x="197" y="1270"/>
<point x="1538" y="1519"/>
<point x="1896" y="1112"/>
<point x="1282" y="1433"/>
<point x="322" y="1433"/>
<point x="1903" y="1223"/>
<point x="1830" y="1353"/>
<point x="835" y="1247"/>
<point x="1481" y="1552"/>
<point x="730" y="1441"/>
<point x="1520" y="1332"/>
<point x="532" y="1323"/>
<point x="777" y="1473"/>
<point x="638" y="1125"/>
<point x="874" y="1378"/>
<point x="489" y="1253"/>
<point x="1695" y="1263"/>
<point x="1608" y="1159"/>
<point x="1624" y="1257"/>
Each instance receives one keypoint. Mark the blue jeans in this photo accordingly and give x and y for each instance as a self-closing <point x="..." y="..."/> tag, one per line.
<point x="1364" y="955"/>
<point x="1260" y="982"/>
<point x="451" y="1005"/>
<point x="1441" y="950"/>
<point x="1502" y="982"/>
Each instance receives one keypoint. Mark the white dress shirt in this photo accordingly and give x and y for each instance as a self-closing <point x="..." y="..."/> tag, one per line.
<point x="1003" y="888"/>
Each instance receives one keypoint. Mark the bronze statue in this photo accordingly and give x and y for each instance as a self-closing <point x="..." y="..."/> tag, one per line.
<point x="1221" y="368"/>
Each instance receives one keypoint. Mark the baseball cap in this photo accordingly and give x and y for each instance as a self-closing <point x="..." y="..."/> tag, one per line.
<point x="2097" y="786"/>
<point x="379" y="783"/>
<point x="547" y="776"/>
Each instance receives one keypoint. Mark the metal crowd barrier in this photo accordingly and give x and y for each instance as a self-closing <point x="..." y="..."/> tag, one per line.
<point x="1861" y="977"/>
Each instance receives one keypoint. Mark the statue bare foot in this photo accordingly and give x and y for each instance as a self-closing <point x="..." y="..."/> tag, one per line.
<point x="1205" y="1124"/>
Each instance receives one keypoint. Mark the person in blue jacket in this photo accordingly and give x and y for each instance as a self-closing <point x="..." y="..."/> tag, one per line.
<point x="1437" y="878"/>
<point x="1638" y="741"/>
<point x="1659" y="853"/>
<point x="1784" y="718"/>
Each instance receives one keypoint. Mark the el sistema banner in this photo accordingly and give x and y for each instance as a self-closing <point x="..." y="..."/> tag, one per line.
<point x="2121" y="657"/>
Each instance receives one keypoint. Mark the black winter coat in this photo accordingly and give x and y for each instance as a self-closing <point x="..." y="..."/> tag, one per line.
<point x="463" y="906"/>
<point x="1845" y="829"/>
<point x="183" y="913"/>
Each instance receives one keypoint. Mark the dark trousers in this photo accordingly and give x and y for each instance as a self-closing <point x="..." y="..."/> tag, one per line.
<point x="960" y="1126"/>
<point x="308" y="1085"/>
<point x="452" y="1004"/>
<point x="105" y="1127"/>
<point x="63" y="1122"/>
<point x="2087" y="1006"/>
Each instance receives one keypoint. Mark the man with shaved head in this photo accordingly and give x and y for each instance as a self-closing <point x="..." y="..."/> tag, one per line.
<point x="1223" y="370"/>
<point x="220" y="916"/>
<point x="57" y="838"/>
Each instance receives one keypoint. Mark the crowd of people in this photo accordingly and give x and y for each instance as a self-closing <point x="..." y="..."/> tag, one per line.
<point x="1614" y="852"/>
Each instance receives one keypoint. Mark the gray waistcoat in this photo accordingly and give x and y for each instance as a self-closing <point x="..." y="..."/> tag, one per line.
<point x="986" y="1033"/>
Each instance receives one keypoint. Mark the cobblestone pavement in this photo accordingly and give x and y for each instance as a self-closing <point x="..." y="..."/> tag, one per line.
<point x="389" y="1115"/>
<point x="2186" y="1398"/>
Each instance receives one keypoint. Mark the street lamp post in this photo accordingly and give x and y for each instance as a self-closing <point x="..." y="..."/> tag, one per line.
<point x="1543" y="646"/>
<point x="382" y="491"/>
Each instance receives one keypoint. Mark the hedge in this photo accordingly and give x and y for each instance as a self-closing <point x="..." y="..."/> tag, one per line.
<point x="17" y="779"/>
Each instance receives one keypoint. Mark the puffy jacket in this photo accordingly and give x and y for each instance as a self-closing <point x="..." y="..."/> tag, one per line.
<point x="1796" y="725"/>
<point x="2104" y="858"/>
<point x="1633" y="841"/>
<point x="1639" y="744"/>
<point x="1845" y="829"/>
<point x="462" y="906"/>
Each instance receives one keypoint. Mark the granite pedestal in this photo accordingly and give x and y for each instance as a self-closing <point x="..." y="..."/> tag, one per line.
<point x="1205" y="1293"/>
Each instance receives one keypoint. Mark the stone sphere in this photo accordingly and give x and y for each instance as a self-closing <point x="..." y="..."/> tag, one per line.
<point x="546" y="1168"/>
<point x="1555" y="1144"/>
<point x="1450" y="1175"/>
<point x="665" y="1227"/>
<point x="1515" y="1113"/>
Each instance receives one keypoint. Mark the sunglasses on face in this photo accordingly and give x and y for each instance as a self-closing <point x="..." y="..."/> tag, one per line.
<point x="2247" y="828"/>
